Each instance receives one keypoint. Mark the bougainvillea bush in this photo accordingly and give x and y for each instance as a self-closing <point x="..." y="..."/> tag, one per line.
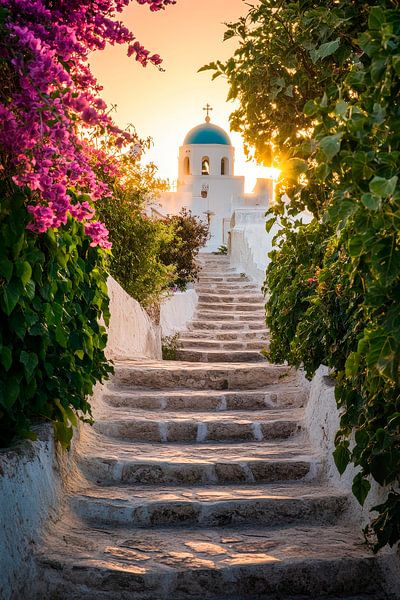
<point x="328" y="107"/>
<point x="52" y="246"/>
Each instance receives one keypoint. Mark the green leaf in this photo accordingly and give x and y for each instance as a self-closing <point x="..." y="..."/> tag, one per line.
<point x="341" y="456"/>
<point x="383" y="187"/>
<point x="356" y="246"/>
<point x="361" y="488"/>
<point x="269" y="224"/>
<point x="326" y="49"/>
<point x="11" y="295"/>
<point x="330" y="145"/>
<point x="30" y="362"/>
<point x="341" y="108"/>
<point x="24" y="271"/>
<point x="370" y="201"/>
<point x="352" y="364"/>
<point x="376" y="17"/>
<point x="6" y="268"/>
<point x="9" y="392"/>
<point x="6" y="357"/>
<point x="310" y="108"/>
<point x="63" y="434"/>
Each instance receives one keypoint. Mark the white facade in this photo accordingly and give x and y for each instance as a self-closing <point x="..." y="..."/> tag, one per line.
<point x="207" y="185"/>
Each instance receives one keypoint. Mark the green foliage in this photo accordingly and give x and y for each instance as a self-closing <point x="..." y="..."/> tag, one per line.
<point x="52" y="293"/>
<point x="189" y="236"/>
<point x="222" y="250"/>
<point x="137" y="239"/>
<point x="170" y="346"/>
<point x="320" y="85"/>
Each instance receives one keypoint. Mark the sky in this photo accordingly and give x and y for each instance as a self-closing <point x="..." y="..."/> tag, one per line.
<point x="166" y="105"/>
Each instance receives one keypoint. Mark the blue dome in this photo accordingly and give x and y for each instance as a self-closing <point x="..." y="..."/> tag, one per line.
<point x="206" y="133"/>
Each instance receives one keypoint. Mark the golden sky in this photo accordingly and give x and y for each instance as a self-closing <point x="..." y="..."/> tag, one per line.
<point x="166" y="105"/>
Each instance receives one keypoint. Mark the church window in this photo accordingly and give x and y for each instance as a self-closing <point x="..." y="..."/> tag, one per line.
<point x="224" y="166"/>
<point x="186" y="165"/>
<point x="205" y="165"/>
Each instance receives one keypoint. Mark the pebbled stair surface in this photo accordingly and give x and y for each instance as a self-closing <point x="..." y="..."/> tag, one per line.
<point x="197" y="481"/>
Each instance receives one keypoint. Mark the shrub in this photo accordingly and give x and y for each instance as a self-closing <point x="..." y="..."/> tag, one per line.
<point x="137" y="239"/>
<point x="329" y="105"/>
<point x="189" y="236"/>
<point x="170" y="346"/>
<point x="52" y="294"/>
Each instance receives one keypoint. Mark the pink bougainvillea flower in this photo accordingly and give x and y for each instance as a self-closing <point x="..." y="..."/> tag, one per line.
<point x="50" y="106"/>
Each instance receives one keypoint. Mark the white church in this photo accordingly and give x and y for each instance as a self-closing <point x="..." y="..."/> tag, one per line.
<point x="207" y="184"/>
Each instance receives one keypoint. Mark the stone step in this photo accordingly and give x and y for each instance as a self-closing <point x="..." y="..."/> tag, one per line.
<point x="256" y="315"/>
<point x="202" y="427"/>
<point x="212" y="344"/>
<point x="239" y="288"/>
<point x="223" y="279"/>
<point x="107" y="461"/>
<point x="205" y="400"/>
<point x="232" y="298"/>
<point x="218" y="376"/>
<point x="214" y="324"/>
<point x="241" y="308"/>
<point x="207" y="564"/>
<point x="217" y="356"/>
<point x="255" y="335"/>
<point x="270" y="505"/>
<point x="207" y="464"/>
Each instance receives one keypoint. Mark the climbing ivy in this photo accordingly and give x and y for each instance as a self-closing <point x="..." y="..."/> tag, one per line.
<point x="52" y="294"/>
<point x="319" y="86"/>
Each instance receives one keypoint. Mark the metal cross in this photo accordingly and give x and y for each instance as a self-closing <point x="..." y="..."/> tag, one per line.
<point x="208" y="109"/>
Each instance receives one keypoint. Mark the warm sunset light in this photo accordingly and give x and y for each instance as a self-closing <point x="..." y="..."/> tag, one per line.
<point x="166" y="105"/>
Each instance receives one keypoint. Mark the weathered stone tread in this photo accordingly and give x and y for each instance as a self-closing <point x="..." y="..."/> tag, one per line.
<point x="220" y="506"/>
<point x="270" y="397"/>
<point x="209" y="564"/>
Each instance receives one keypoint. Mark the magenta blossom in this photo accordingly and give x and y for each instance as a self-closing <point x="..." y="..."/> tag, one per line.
<point x="50" y="107"/>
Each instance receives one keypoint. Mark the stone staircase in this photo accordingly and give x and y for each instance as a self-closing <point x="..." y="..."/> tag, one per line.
<point x="197" y="480"/>
<point x="229" y="324"/>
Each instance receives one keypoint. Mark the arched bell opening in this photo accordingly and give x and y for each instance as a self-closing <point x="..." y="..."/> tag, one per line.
<point x="224" y="166"/>
<point x="186" y="166"/>
<point x="205" y="165"/>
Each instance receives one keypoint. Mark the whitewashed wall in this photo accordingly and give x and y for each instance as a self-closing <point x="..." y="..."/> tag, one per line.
<point x="250" y="243"/>
<point x="131" y="333"/>
<point x="322" y="423"/>
<point x="177" y="311"/>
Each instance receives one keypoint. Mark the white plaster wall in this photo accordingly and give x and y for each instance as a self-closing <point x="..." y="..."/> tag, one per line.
<point x="322" y="423"/>
<point x="131" y="333"/>
<point x="250" y="243"/>
<point x="31" y="494"/>
<point x="177" y="311"/>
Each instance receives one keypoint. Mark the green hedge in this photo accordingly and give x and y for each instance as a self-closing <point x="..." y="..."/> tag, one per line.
<point x="52" y="294"/>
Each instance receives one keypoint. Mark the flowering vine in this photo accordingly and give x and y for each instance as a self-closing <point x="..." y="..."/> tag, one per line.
<point x="50" y="106"/>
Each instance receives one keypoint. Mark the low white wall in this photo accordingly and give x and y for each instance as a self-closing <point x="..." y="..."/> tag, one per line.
<point x="31" y="495"/>
<point x="322" y="422"/>
<point x="131" y="332"/>
<point x="250" y="243"/>
<point x="177" y="311"/>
